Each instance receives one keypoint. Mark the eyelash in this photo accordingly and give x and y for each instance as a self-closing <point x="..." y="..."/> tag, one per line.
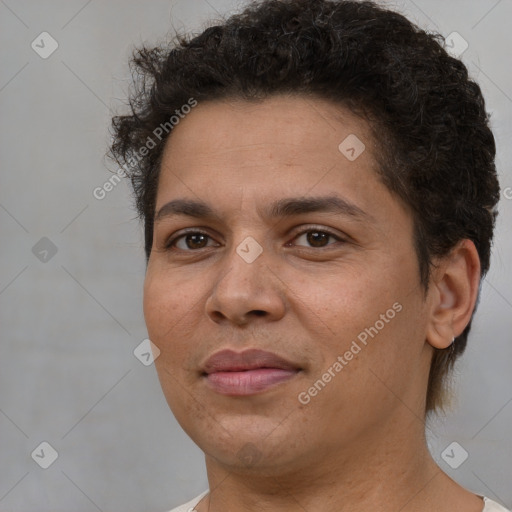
<point x="171" y="242"/>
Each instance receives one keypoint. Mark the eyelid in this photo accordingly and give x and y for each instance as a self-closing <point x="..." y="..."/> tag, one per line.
<point x="308" y="229"/>
<point x="295" y="233"/>
<point x="312" y="227"/>
<point x="183" y="232"/>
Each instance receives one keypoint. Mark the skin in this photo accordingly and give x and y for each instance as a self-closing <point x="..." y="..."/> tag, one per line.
<point x="359" y="444"/>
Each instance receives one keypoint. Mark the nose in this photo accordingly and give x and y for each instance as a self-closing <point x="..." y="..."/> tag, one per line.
<point x="246" y="290"/>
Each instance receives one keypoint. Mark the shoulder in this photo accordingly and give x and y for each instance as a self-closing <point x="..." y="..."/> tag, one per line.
<point x="492" y="506"/>
<point x="189" y="506"/>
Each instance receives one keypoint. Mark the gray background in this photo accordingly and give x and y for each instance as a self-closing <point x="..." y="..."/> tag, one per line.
<point x="69" y="325"/>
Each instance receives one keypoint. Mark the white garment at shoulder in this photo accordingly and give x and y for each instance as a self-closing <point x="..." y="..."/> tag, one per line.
<point x="189" y="506"/>
<point x="490" y="506"/>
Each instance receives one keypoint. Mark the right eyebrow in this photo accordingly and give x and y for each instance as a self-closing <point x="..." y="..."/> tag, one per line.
<point x="286" y="207"/>
<point x="188" y="207"/>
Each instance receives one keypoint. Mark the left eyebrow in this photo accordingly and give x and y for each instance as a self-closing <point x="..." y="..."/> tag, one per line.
<point x="286" y="207"/>
<point x="328" y="204"/>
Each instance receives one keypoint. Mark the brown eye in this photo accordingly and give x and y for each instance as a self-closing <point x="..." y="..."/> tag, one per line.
<point x="190" y="241"/>
<point x="195" y="241"/>
<point x="317" y="238"/>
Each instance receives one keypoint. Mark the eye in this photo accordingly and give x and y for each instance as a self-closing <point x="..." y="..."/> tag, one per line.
<point x="195" y="240"/>
<point x="189" y="241"/>
<point x="317" y="238"/>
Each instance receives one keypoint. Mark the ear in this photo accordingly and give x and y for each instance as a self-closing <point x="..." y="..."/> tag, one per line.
<point x="453" y="293"/>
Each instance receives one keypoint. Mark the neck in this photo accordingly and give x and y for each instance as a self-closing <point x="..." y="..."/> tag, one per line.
<point x="390" y="472"/>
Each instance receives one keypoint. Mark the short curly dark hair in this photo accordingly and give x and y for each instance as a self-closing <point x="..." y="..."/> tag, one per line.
<point x="436" y="148"/>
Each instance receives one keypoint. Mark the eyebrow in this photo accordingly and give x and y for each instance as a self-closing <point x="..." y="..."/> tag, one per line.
<point x="286" y="207"/>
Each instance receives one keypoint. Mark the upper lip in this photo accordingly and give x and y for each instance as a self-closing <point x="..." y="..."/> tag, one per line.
<point x="231" y="361"/>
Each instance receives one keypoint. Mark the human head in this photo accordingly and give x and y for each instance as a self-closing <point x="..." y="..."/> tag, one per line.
<point x="428" y="119"/>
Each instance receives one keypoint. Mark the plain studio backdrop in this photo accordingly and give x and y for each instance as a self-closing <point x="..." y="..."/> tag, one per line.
<point x="73" y="267"/>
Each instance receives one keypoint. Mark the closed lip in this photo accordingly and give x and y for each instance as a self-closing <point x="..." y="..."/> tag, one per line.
<point x="250" y="359"/>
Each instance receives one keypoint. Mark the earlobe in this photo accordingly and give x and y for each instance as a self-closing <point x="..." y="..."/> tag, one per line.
<point x="453" y="293"/>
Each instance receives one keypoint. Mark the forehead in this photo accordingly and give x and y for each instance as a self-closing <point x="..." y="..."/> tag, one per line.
<point x="233" y="152"/>
<point x="293" y="126"/>
<point x="279" y="133"/>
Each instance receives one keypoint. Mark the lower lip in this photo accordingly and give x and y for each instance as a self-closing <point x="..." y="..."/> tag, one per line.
<point x="248" y="382"/>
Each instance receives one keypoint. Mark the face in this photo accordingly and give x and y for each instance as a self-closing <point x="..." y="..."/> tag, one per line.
<point x="283" y="287"/>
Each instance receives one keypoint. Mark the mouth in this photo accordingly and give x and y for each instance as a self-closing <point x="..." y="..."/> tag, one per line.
<point x="247" y="373"/>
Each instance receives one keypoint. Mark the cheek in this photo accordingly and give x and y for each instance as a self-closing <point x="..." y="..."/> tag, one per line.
<point x="165" y="314"/>
<point x="341" y="303"/>
<point x="369" y="313"/>
<point x="173" y="310"/>
<point x="155" y="303"/>
<point x="166" y="303"/>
